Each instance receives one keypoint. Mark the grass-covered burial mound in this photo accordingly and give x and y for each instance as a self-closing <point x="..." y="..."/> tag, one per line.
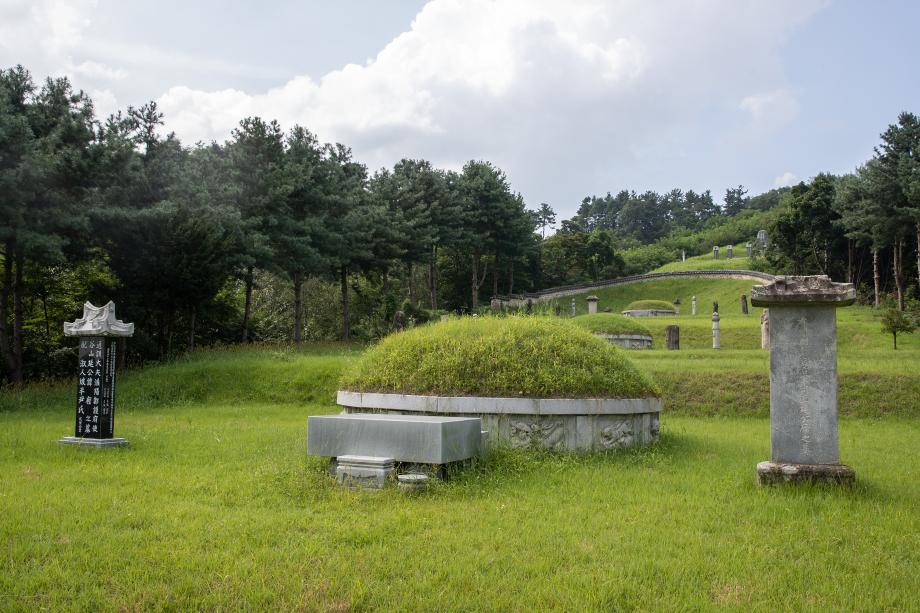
<point x="530" y="357"/>
<point x="650" y="305"/>
<point x="610" y="323"/>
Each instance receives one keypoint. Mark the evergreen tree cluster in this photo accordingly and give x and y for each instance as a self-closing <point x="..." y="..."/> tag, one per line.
<point x="860" y="227"/>
<point x="187" y="239"/>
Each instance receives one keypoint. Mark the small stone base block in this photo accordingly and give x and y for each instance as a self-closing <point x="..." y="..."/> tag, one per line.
<point x="365" y="472"/>
<point x="773" y="473"/>
<point x="412" y="482"/>
<point x="95" y="443"/>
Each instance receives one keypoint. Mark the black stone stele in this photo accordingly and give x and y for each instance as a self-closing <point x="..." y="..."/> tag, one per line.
<point x="94" y="424"/>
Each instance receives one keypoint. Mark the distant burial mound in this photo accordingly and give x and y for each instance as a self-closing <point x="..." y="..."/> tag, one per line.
<point x="650" y="308"/>
<point x="624" y="332"/>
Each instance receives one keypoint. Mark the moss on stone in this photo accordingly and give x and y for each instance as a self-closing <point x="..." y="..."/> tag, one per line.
<point x="610" y="323"/>
<point x="532" y="357"/>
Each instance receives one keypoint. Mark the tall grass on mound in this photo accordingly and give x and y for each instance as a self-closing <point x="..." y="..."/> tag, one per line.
<point x="610" y="323"/>
<point x="531" y="357"/>
<point x="650" y="305"/>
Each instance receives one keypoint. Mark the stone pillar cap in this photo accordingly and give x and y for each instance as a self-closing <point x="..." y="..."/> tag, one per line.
<point x="98" y="321"/>
<point x="815" y="290"/>
<point x="592" y="298"/>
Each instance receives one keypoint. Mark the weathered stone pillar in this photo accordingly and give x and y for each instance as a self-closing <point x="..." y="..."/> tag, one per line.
<point x="716" y="341"/>
<point x="98" y="331"/>
<point x="731" y="252"/>
<point x="803" y="378"/>
<point x="683" y="255"/>
<point x="573" y="307"/>
<point x="592" y="304"/>
<point x="715" y="252"/>
<point x="672" y="337"/>
<point x="744" y="306"/>
<point x="750" y="250"/>
<point x="765" y="329"/>
<point x="693" y="306"/>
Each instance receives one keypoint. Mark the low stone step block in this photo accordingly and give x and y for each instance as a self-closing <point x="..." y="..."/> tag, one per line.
<point x="412" y="482"/>
<point x="422" y="439"/>
<point x="366" y="472"/>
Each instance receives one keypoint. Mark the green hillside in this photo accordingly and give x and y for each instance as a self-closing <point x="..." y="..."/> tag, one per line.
<point x="707" y="262"/>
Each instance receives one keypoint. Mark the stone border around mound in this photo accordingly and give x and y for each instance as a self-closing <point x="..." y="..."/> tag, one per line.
<point x="627" y="341"/>
<point x="504" y="406"/>
<point x="579" y="424"/>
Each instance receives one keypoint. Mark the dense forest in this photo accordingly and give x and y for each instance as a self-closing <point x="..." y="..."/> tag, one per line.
<point x="275" y="236"/>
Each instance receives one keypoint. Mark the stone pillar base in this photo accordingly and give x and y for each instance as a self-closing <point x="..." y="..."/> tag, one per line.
<point x="96" y="443"/>
<point x="773" y="473"/>
<point x="365" y="472"/>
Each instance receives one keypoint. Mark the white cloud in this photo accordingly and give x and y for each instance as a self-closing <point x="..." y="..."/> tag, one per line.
<point x="96" y="70"/>
<point x="562" y="95"/>
<point x="771" y="109"/>
<point x="542" y="88"/>
<point x="785" y="180"/>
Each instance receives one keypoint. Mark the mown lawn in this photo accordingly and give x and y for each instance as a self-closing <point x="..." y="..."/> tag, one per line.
<point x="217" y="506"/>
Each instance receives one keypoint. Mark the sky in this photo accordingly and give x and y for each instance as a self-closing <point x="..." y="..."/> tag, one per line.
<point x="569" y="98"/>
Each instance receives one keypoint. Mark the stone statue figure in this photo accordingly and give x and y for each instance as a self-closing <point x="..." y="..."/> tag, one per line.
<point x="399" y="321"/>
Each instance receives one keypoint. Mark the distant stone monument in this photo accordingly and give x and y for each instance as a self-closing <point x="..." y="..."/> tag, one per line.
<point x="765" y="329"/>
<point x="529" y="306"/>
<point x="715" y="252"/>
<point x="683" y="255"/>
<point x="573" y="307"/>
<point x="731" y="252"/>
<point x="803" y="379"/>
<point x="496" y="305"/>
<point x="762" y="239"/>
<point x="98" y="331"/>
<point x="716" y="341"/>
<point x="399" y="321"/>
<point x="750" y="250"/>
<point x="558" y="310"/>
<point x="592" y="304"/>
<point x="693" y="305"/>
<point x="744" y="304"/>
<point x="672" y="337"/>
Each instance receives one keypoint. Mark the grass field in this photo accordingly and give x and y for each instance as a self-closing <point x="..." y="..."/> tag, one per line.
<point x="217" y="506"/>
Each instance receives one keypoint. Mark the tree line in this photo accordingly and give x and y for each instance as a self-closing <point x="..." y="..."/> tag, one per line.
<point x="275" y="236"/>
<point x="180" y="235"/>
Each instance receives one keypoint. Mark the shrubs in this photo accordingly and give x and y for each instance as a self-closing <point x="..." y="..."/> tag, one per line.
<point x="650" y="305"/>
<point x="609" y="323"/>
<point x="530" y="357"/>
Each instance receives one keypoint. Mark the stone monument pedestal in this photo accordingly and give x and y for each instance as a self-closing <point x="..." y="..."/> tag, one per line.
<point x="773" y="473"/>
<point x="803" y="379"/>
<point x="94" y="443"/>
